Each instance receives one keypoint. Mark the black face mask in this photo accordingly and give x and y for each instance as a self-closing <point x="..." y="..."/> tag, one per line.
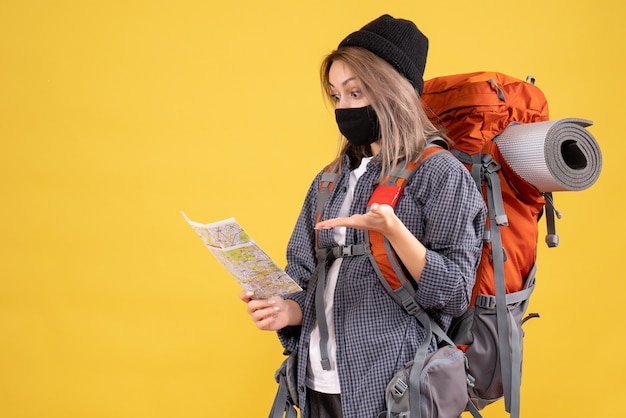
<point x="359" y="125"/>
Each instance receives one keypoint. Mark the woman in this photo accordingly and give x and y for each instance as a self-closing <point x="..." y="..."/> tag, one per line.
<point x="374" y="79"/>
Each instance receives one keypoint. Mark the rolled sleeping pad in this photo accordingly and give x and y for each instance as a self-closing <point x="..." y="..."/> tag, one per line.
<point x="556" y="155"/>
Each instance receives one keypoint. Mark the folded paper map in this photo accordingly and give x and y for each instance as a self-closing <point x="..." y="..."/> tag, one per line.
<point x="253" y="269"/>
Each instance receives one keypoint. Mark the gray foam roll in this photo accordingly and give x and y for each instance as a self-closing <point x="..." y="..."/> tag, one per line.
<point x="556" y="155"/>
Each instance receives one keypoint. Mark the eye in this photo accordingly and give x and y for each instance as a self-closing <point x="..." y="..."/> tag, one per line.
<point x="356" y="93"/>
<point x="335" y="97"/>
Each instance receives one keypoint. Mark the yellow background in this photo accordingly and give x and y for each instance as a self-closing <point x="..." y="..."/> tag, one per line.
<point x="116" y="115"/>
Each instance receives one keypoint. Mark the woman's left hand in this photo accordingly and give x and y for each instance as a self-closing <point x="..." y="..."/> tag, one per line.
<point x="380" y="218"/>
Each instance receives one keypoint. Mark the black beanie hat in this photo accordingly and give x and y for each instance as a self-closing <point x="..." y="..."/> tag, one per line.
<point x="397" y="41"/>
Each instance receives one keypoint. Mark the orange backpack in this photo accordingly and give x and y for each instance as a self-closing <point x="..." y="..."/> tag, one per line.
<point x="474" y="108"/>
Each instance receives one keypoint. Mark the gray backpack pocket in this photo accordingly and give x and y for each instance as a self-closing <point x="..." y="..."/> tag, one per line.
<point x="483" y="354"/>
<point x="442" y="387"/>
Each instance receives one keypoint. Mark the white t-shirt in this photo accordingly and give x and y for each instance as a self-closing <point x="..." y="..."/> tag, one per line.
<point x="318" y="379"/>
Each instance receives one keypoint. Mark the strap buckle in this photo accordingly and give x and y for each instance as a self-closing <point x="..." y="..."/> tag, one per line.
<point x="348" y="250"/>
<point x="399" y="388"/>
<point x="485" y="301"/>
<point x="490" y="165"/>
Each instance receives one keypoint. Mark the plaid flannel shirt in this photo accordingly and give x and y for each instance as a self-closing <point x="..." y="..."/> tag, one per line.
<point x="375" y="337"/>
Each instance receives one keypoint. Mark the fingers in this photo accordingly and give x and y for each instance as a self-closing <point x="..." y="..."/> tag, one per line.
<point x="246" y="295"/>
<point x="267" y="314"/>
<point x="334" y="223"/>
<point x="263" y="316"/>
<point x="377" y="219"/>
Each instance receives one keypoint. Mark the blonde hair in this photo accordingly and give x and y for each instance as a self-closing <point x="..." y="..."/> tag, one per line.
<point x="404" y="126"/>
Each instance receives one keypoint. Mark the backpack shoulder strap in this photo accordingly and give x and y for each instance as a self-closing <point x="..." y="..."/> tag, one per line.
<point x="383" y="257"/>
<point x="327" y="182"/>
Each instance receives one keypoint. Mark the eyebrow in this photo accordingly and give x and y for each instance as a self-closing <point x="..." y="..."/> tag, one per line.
<point x="346" y="81"/>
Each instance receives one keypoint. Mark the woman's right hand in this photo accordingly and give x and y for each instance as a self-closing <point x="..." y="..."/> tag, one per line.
<point x="273" y="313"/>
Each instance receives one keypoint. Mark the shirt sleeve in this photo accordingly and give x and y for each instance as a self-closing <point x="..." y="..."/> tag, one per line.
<point x="454" y="219"/>
<point x="301" y="261"/>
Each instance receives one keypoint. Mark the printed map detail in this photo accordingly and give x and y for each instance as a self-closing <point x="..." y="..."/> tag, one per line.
<point x="253" y="269"/>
